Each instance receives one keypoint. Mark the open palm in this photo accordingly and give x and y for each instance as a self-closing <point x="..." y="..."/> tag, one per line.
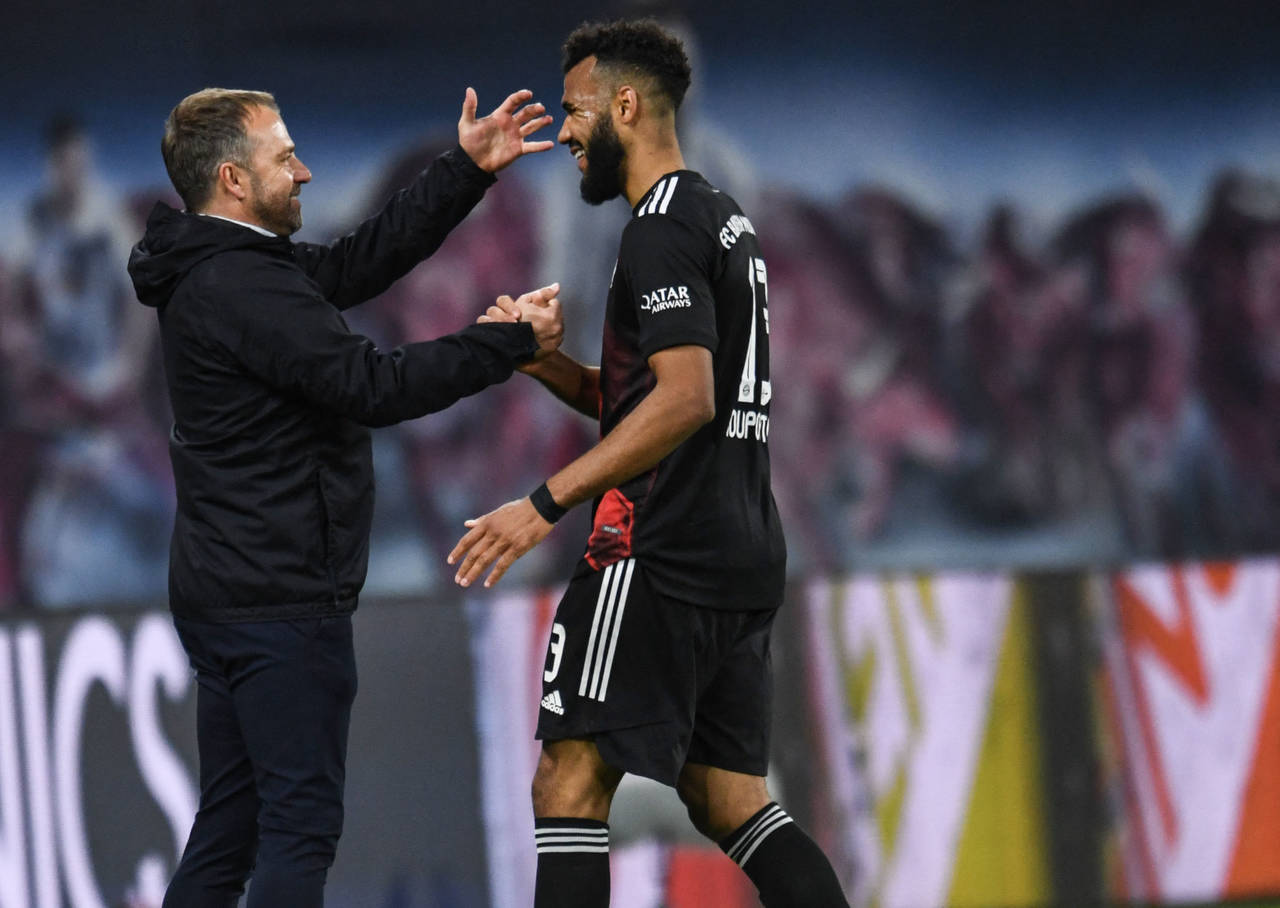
<point x="495" y="141"/>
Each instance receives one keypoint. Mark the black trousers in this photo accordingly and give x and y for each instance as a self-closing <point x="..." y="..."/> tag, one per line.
<point x="273" y="706"/>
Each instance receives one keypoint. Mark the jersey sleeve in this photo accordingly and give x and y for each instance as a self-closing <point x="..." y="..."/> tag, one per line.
<point x="666" y="266"/>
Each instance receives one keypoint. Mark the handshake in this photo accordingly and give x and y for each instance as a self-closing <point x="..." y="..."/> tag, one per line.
<point x="540" y="309"/>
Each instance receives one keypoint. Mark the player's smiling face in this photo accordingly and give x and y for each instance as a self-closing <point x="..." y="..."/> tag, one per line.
<point x="582" y="107"/>
<point x="589" y="134"/>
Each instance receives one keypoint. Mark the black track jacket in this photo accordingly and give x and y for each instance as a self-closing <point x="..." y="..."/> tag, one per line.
<point x="272" y="395"/>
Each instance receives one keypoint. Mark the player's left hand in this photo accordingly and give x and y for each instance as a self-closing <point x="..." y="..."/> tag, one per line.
<point x="497" y="538"/>
<point x="495" y="141"/>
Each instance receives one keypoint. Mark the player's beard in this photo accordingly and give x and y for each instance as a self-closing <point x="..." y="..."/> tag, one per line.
<point x="606" y="164"/>
<point x="277" y="214"/>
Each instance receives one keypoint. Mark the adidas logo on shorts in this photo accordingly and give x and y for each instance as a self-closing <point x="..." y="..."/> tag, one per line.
<point x="553" y="702"/>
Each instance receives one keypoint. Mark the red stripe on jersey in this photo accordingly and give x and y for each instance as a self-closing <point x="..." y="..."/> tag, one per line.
<point x="611" y="536"/>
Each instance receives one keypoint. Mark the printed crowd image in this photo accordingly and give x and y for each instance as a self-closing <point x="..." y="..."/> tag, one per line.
<point x="640" y="454"/>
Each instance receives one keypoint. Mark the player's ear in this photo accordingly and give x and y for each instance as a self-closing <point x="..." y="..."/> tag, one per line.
<point x="626" y="103"/>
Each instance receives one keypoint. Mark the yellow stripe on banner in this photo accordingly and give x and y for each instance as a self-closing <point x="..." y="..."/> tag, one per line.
<point x="929" y="606"/>
<point x="1003" y="857"/>
<point x="859" y="674"/>
<point x="898" y="631"/>
<point x="889" y="806"/>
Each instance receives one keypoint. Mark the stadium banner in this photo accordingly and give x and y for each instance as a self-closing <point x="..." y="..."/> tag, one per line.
<point x="955" y="739"/>
<point x="1190" y="709"/>
<point x="925" y="735"/>
<point x="98" y="778"/>
<point x="97" y="737"/>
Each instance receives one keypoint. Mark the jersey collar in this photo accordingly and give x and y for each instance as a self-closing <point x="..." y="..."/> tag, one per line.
<point x="658" y="196"/>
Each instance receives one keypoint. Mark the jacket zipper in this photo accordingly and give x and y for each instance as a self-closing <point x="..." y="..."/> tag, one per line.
<point x="324" y="517"/>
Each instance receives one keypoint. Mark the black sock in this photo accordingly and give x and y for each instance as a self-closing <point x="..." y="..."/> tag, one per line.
<point x="573" y="863"/>
<point x="788" y="868"/>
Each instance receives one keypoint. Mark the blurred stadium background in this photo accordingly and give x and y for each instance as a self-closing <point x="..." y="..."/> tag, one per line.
<point x="1025" y="278"/>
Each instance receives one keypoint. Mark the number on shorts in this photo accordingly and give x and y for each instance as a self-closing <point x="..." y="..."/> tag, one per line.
<point x="556" y="648"/>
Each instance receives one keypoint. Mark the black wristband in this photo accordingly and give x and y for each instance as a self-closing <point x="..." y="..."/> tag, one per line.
<point x="545" y="505"/>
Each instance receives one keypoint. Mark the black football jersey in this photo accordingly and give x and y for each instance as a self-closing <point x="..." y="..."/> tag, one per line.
<point x="703" y="522"/>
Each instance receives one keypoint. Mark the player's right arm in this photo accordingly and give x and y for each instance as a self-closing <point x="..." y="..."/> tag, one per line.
<point x="575" y="384"/>
<point x="569" y="380"/>
<point x="681" y="402"/>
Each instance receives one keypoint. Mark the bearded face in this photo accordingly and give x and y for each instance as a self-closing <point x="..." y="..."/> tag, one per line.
<point x="605" y="172"/>
<point x="275" y="205"/>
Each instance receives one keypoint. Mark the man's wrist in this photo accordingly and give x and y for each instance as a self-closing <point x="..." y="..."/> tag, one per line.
<point x="470" y="168"/>
<point x="545" y="505"/>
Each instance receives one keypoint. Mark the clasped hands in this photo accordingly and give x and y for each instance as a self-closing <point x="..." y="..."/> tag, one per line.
<point x="500" y="537"/>
<point x="540" y="308"/>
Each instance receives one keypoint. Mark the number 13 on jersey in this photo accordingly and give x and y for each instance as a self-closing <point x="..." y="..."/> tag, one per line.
<point x="757" y="277"/>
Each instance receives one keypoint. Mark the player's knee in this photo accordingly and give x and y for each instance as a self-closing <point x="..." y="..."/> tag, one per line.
<point x="720" y="802"/>
<point x="694" y="797"/>
<point x="569" y="784"/>
<point x="702" y="822"/>
<point x="715" y="825"/>
<point x="544" y="790"/>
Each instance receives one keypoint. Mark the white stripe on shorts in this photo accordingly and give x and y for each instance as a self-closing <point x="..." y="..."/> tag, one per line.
<point x="606" y="627"/>
<point x="595" y="627"/>
<point x="617" y="627"/>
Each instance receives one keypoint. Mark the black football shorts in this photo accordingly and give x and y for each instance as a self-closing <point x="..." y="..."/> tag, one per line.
<point x="657" y="682"/>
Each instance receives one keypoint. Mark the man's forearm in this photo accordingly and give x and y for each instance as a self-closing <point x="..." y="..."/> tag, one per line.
<point x="575" y="384"/>
<point x="410" y="227"/>
<point x="655" y="428"/>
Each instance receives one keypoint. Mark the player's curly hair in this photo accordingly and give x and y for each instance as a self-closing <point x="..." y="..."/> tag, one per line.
<point x="633" y="47"/>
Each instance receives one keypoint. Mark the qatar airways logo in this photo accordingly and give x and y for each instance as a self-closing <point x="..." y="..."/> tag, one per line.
<point x="665" y="298"/>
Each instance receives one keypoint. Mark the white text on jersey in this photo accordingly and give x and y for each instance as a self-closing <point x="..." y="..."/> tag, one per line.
<point x="734" y="228"/>
<point x="748" y="424"/>
<point x="666" y="298"/>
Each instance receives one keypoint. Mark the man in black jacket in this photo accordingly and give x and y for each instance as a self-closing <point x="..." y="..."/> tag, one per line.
<point x="272" y="399"/>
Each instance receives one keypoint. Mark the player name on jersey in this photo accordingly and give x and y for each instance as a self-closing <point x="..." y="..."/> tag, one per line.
<point x="748" y="424"/>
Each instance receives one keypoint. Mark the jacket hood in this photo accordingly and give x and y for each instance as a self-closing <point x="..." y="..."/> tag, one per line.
<point x="175" y="242"/>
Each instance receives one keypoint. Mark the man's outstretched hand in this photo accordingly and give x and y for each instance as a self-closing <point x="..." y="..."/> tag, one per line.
<point x="495" y="141"/>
